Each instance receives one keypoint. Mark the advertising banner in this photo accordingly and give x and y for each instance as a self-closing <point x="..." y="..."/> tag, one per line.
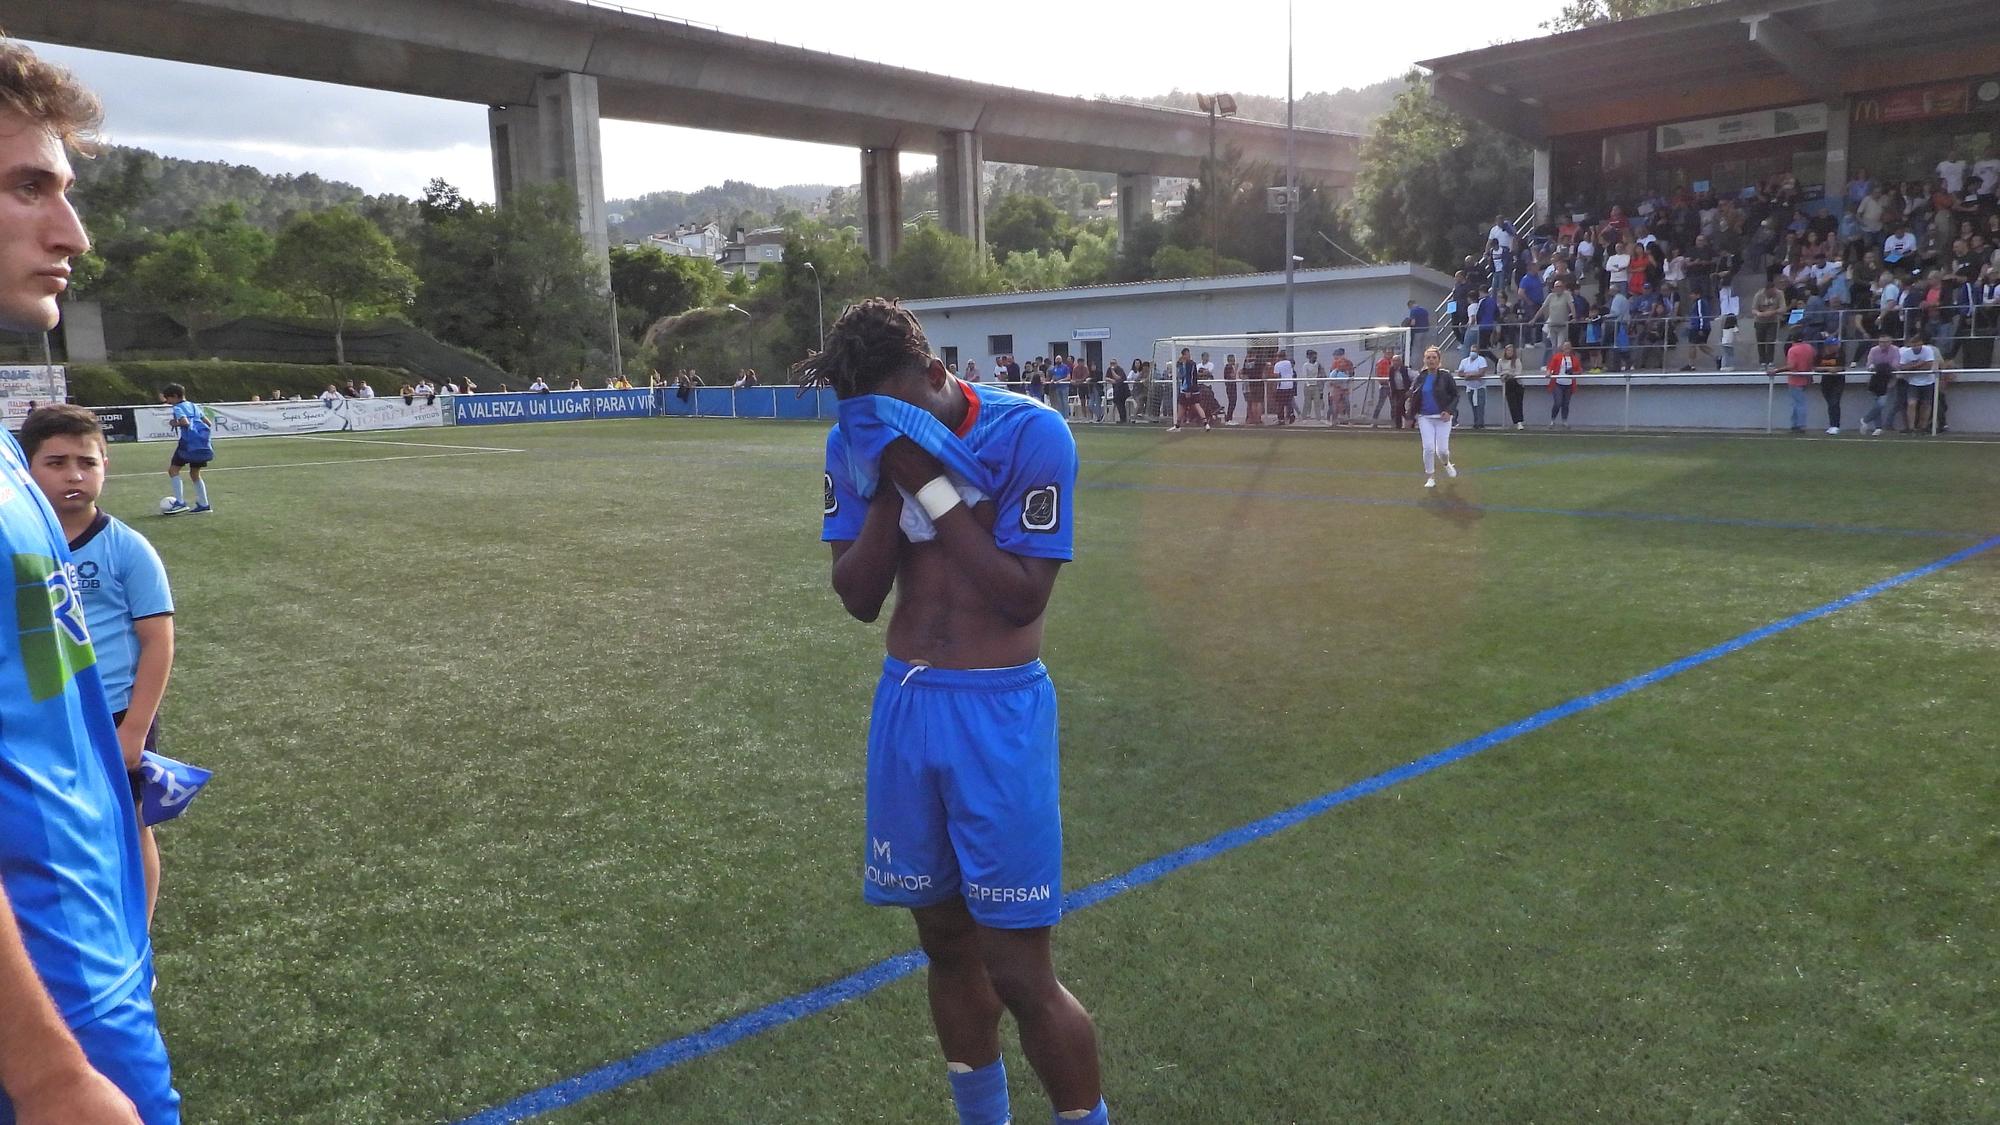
<point x="554" y="406"/>
<point x="303" y="416"/>
<point x="26" y="384"/>
<point x="1761" y="125"/>
<point x="1922" y="103"/>
<point x="118" y="422"/>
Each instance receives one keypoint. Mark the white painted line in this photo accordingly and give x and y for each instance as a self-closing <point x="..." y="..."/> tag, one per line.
<point x="315" y="464"/>
<point x="411" y="444"/>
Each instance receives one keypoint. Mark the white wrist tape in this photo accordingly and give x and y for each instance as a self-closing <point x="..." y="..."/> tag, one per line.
<point x="938" y="497"/>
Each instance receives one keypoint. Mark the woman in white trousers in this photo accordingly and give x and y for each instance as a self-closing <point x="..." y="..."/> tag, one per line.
<point x="1433" y="399"/>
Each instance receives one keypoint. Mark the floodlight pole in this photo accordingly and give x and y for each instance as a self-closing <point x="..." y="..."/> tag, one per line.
<point x="1291" y="183"/>
<point x="1211" y="201"/>
<point x="819" y="302"/>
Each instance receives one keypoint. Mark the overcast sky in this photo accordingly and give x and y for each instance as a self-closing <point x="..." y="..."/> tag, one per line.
<point x="395" y="143"/>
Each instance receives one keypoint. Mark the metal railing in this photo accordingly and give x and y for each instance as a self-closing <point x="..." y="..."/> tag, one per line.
<point x="1520" y="231"/>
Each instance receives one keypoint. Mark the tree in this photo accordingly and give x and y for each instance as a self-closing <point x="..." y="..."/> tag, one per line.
<point x="1179" y="261"/>
<point x="1093" y="258"/>
<point x="652" y="283"/>
<point x="515" y="283"/>
<point x="1431" y="183"/>
<point x="1025" y="224"/>
<point x="341" y="263"/>
<point x="207" y="272"/>
<point x="1234" y="198"/>
<point x="935" y="263"/>
<point x="179" y="278"/>
<point x="1034" y="270"/>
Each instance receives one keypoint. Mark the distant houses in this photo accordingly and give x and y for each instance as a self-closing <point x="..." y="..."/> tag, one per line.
<point x="742" y="251"/>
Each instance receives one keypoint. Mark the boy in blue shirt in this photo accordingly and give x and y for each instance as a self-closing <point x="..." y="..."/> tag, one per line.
<point x="79" y="1043"/>
<point x="194" y="450"/>
<point x="126" y="601"/>
<point x="959" y="496"/>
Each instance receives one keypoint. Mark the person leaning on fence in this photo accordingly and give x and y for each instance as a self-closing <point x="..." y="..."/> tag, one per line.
<point x="1920" y="364"/>
<point x="1434" y="399"/>
<point x="1563" y="369"/>
<point x="1313" y="376"/>
<point x="1510" y="385"/>
<point x="1472" y="372"/>
<point x="1187" y="393"/>
<point x="1799" y="363"/>
<point x="1340" y="384"/>
<point x="1395" y="376"/>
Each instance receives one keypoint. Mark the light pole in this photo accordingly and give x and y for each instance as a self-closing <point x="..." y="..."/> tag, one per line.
<point x="819" y="302"/>
<point x="1291" y="182"/>
<point x="1215" y="105"/>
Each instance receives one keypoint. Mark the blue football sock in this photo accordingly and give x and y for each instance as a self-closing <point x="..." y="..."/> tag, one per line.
<point x="1098" y="1116"/>
<point x="178" y="494"/>
<point x="981" y="1095"/>
<point x="201" y="492"/>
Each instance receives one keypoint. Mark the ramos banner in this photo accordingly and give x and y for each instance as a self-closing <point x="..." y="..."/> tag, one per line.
<point x="305" y="416"/>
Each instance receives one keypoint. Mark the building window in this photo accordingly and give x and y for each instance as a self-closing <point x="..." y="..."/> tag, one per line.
<point x="1000" y="345"/>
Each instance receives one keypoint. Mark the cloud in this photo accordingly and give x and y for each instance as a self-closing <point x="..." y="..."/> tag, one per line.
<point x="158" y="98"/>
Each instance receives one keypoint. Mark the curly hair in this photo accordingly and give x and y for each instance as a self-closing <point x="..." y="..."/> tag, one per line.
<point x="872" y="341"/>
<point x="48" y="95"/>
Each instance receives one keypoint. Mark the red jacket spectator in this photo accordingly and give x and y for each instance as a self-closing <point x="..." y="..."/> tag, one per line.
<point x="1800" y="359"/>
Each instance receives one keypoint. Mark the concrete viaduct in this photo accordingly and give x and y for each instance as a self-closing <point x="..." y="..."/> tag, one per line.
<point x="547" y="70"/>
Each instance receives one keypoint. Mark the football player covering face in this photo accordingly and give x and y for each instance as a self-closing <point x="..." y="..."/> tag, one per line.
<point x="964" y="825"/>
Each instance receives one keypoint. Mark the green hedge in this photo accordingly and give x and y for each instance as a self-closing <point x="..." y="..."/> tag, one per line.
<point x="124" y="384"/>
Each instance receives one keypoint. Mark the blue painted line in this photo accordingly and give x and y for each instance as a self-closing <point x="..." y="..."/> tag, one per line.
<point x="1525" y="510"/>
<point x="856" y="985"/>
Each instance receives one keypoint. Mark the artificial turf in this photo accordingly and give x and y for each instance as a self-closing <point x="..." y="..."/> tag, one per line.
<point x="530" y="760"/>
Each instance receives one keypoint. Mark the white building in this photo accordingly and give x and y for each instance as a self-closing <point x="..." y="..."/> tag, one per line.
<point x="690" y="240"/>
<point x="1100" y="322"/>
<point x="751" y="251"/>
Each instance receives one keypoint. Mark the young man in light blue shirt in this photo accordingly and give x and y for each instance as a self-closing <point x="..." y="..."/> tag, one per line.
<point x="79" y="1043"/>
<point x="126" y="600"/>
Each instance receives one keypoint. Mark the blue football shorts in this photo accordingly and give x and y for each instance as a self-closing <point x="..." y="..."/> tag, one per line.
<point x="963" y="793"/>
<point x="124" y="1045"/>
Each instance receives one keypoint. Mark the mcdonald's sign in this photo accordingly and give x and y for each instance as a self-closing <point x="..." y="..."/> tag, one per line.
<point x="1914" y="103"/>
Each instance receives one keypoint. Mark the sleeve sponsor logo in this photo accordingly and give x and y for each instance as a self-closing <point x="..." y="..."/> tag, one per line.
<point x="831" y="506"/>
<point x="1040" y="511"/>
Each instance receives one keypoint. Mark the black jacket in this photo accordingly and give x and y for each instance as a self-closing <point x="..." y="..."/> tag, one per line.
<point x="1446" y="392"/>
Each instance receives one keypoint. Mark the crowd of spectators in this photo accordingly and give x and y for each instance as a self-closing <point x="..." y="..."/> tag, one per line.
<point x="1672" y="282"/>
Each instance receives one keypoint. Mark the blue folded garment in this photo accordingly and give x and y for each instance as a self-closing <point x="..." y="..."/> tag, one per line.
<point x="870" y="422"/>
<point x="170" y="787"/>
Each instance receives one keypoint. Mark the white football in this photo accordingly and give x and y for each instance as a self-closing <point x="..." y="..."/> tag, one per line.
<point x="168" y="504"/>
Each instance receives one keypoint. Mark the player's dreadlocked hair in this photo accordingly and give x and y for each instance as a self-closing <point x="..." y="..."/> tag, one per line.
<point x="874" y="340"/>
<point x="47" y="95"/>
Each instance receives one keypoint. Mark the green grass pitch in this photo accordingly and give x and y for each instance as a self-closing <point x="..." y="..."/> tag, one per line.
<point x="539" y="745"/>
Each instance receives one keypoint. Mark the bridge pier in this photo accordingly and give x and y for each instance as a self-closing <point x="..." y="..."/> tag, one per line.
<point x="555" y="141"/>
<point x="881" y="203"/>
<point x="1135" y="202"/>
<point x="960" y="180"/>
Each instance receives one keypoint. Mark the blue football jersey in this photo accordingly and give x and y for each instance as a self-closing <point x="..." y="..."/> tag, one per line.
<point x="69" y="843"/>
<point x="121" y="580"/>
<point x="1029" y="458"/>
<point x="194" y="440"/>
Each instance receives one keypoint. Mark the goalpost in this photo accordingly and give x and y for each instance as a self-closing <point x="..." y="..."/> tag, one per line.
<point x="1347" y="393"/>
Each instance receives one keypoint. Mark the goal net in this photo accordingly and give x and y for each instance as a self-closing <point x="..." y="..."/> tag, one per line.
<point x="1333" y="379"/>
